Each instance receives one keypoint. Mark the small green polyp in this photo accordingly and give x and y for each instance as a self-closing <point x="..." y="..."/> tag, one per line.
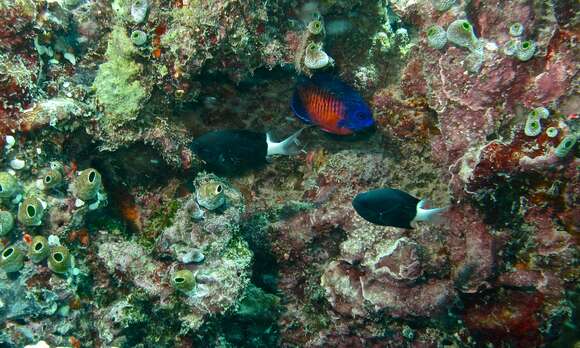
<point x="31" y="211"/>
<point x="6" y="222"/>
<point x="59" y="259"/>
<point x="11" y="259"/>
<point x="8" y="185"/>
<point x="38" y="250"/>
<point x="183" y="280"/>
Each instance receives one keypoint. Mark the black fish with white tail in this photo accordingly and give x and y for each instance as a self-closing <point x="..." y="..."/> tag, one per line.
<point x="392" y="207"/>
<point x="234" y="151"/>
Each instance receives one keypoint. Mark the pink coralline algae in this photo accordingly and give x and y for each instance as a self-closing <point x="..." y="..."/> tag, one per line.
<point x="472" y="249"/>
<point x="403" y="276"/>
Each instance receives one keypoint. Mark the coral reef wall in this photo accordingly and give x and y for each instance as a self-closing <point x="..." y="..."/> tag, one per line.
<point x="114" y="233"/>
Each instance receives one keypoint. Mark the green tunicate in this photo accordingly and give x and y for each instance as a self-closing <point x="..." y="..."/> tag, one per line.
<point x="11" y="259"/>
<point x="541" y="112"/>
<point x="565" y="146"/>
<point x="533" y="126"/>
<point x="87" y="184"/>
<point x="443" y="5"/>
<point x="31" y="211"/>
<point x="59" y="259"/>
<point x="8" y="185"/>
<point x="516" y="29"/>
<point x="38" y="249"/>
<point x="52" y="179"/>
<point x="552" y="132"/>
<point x="315" y="27"/>
<point x="436" y="37"/>
<point x="6" y="222"/>
<point x="460" y="32"/>
<point x="138" y="37"/>
<point x="183" y="280"/>
<point x="511" y="47"/>
<point x="526" y="50"/>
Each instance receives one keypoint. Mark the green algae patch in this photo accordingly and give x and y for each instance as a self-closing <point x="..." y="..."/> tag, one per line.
<point x="239" y="252"/>
<point x="119" y="92"/>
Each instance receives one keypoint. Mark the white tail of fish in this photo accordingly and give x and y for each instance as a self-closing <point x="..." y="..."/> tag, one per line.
<point x="432" y="215"/>
<point x="289" y="146"/>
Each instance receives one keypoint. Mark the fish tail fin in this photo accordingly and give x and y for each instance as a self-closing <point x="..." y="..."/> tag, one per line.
<point x="432" y="215"/>
<point x="289" y="146"/>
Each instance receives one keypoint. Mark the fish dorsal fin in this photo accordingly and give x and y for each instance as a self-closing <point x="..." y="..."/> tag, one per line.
<point x="338" y="89"/>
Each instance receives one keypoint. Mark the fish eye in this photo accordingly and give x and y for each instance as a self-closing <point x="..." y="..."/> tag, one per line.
<point x="361" y="115"/>
<point x="218" y="189"/>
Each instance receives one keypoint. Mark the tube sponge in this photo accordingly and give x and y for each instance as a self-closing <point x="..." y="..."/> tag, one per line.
<point x="31" y="211"/>
<point x="138" y="37"/>
<point x="460" y="32"/>
<point x="51" y="179"/>
<point x="59" y="259"/>
<point x="511" y="47"/>
<point x="315" y="27"/>
<point x="541" y="112"/>
<point x="39" y="249"/>
<point x="11" y="259"/>
<point x="8" y="185"/>
<point x="533" y="127"/>
<point x="526" y="50"/>
<point x="552" y="132"/>
<point x="436" y="37"/>
<point x="183" y="280"/>
<point x="516" y="29"/>
<point x="6" y="222"/>
<point x="315" y="57"/>
<point x="565" y="146"/>
<point x="139" y="10"/>
<point x="443" y="5"/>
<point x="87" y="184"/>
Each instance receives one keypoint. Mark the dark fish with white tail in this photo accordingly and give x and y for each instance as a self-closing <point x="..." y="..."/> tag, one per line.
<point x="396" y="208"/>
<point x="234" y="151"/>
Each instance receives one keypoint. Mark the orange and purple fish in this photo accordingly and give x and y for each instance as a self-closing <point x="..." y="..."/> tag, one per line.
<point x="327" y="102"/>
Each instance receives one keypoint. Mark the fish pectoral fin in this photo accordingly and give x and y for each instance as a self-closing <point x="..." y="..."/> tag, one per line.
<point x="342" y="123"/>
<point x="327" y="130"/>
<point x="299" y="109"/>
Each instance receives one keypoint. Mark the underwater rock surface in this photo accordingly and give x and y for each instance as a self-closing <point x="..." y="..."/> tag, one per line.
<point x="114" y="233"/>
